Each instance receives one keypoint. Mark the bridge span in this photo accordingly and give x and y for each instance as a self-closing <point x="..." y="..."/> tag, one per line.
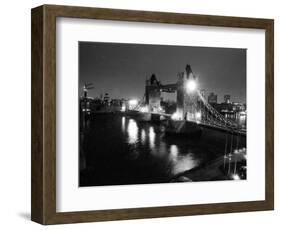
<point x="191" y="106"/>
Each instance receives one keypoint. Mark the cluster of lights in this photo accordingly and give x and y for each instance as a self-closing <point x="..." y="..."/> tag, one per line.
<point x="176" y="116"/>
<point x="144" y="109"/>
<point x="133" y="102"/>
<point x="242" y="150"/>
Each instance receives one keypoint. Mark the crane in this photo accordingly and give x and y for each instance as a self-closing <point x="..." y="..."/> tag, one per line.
<point x="86" y="87"/>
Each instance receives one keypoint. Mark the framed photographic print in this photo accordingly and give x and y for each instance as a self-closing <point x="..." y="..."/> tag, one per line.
<point x="140" y="114"/>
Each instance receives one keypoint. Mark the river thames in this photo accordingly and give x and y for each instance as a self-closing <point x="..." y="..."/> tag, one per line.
<point x="118" y="150"/>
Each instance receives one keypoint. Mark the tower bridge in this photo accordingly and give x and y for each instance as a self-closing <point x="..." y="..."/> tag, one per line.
<point x="191" y="106"/>
<point x="184" y="89"/>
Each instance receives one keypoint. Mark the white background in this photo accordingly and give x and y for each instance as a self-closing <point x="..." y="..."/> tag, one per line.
<point x="72" y="198"/>
<point x="15" y="114"/>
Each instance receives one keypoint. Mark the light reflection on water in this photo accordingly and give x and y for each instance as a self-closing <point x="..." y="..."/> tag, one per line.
<point x="139" y="137"/>
<point x="132" y="130"/>
<point x="151" y="138"/>
<point x="143" y="136"/>
<point x="174" y="151"/>
<point x="183" y="163"/>
<point x="121" y="150"/>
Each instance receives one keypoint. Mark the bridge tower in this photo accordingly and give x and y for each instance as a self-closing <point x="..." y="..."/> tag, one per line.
<point x="152" y="93"/>
<point x="186" y="95"/>
<point x="186" y="89"/>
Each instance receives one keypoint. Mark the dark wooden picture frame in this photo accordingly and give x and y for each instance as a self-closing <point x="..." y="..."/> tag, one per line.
<point x="43" y="207"/>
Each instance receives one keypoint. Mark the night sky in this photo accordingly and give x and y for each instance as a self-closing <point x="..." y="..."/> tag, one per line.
<point x="121" y="69"/>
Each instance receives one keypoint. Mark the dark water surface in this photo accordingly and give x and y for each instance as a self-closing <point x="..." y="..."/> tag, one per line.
<point x="115" y="150"/>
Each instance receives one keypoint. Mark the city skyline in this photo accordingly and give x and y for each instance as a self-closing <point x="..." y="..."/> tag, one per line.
<point x="121" y="69"/>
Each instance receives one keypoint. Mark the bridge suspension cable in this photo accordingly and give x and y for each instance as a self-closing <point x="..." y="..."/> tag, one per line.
<point x="218" y="119"/>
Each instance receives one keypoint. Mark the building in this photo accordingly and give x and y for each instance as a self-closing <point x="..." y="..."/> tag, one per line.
<point x="238" y="107"/>
<point x="152" y="93"/>
<point x="227" y="99"/>
<point x="203" y="93"/>
<point x="212" y="98"/>
<point x="106" y="99"/>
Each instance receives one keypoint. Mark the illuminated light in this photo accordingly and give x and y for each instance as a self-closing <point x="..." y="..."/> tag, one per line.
<point x="174" y="150"/>
<point x="176" y="116"/>
<point x="144" y="109"/>
<point x="235" y="177"/>
<point x="123" y="108"/>
<point x="198" y="115"/>
<point x="161" y="110"/>
<point x="242" y="118"/>
<point x="190" y="116"/>
<point x="132" y="131"/>
<point x="162" y="118"/>
<point x="236" y="151"/>
<point x="133" y="102"/>
<point x="191" y="85"/>
<point x="151" y="137"/>
<point x="181" y="164"/>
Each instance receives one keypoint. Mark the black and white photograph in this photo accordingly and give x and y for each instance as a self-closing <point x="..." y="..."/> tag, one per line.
<point x="153" y="113"/>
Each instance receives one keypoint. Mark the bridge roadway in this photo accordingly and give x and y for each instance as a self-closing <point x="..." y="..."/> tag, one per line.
<point x="210" y="125"/>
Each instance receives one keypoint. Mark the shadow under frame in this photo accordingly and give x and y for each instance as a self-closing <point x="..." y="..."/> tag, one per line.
<point x="43" y="97"/>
